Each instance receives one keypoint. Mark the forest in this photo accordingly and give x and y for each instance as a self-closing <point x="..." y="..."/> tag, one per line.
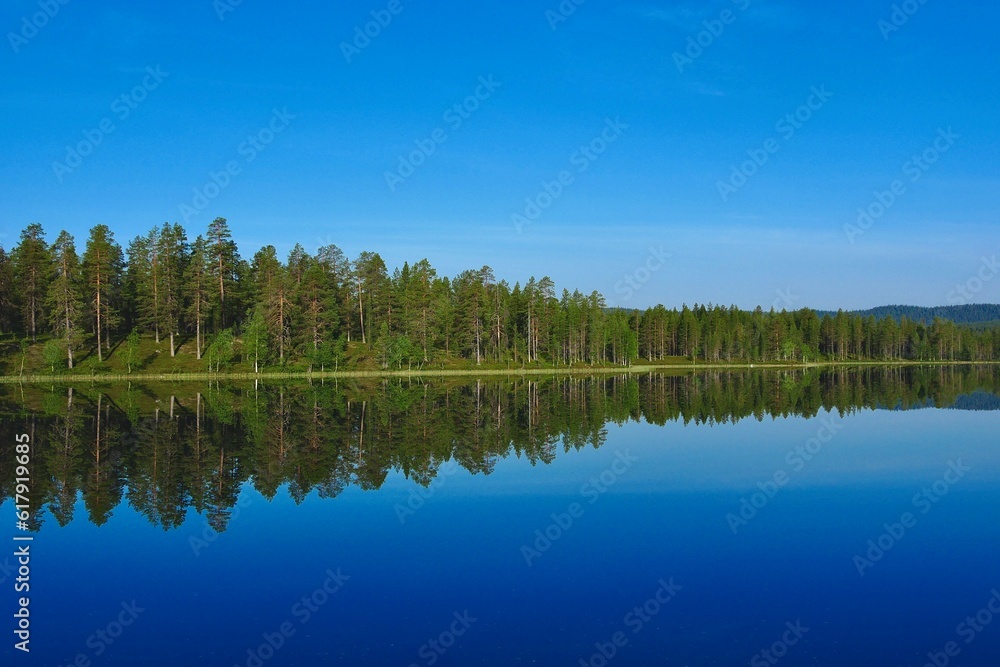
<point x="976" y="314"/>
<point x="202" y="443"/>
<point x="200" y="300"/>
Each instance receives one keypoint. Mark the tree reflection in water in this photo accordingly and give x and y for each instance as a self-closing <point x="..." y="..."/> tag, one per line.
<point x="169" y="447"/>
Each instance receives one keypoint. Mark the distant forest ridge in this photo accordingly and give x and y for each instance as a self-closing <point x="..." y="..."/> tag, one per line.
<point x="973" y="313"/>
<point x="194" y="305"/>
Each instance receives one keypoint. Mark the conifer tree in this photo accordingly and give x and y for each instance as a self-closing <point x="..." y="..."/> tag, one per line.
<point x="64" y="302"/>
<point x="7" y="318"/>
<point x="171" y="251"/>
<point x="32" y="272"/>
<point x="197" y="291"/>
<point x="102" y="275"/>
<point x="224" y="266"/>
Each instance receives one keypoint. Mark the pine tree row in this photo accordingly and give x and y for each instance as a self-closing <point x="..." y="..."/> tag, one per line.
<point x="200" y="297"/>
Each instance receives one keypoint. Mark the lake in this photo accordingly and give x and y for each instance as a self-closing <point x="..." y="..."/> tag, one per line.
<point x="808" y="517"/>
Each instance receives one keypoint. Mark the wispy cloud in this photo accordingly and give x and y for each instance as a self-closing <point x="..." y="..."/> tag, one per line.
<point x="684" y="17"/>
<point x="689" y="16"/>
<point x="702" y="89"/>
<point x="776" y="16"/>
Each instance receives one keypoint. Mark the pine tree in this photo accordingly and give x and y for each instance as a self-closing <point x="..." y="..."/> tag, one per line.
<point x="7" y="318"/>
<point x="142" y="305"/>
<point x="494" y="295"/>
<point x="223" y="267"/>
<point x="298" y="262"/>
<point x="531" y="330"/>
<point x="64" y="303"/>
<point x="102" y="274"/>
<point x="272" y="297"/>
<point x="443" y="315"/>
<point x="32" y="271"/>
<point x="471" y="299"/>
<point x="419" y="300"/>
<point x="171" y="251"/>
<point x="337" y="276"/>
<point x="197" y="291"/>
<point x="316" y="308"/>
<point x="371" y="291"/>
<point x="542" y="306"/>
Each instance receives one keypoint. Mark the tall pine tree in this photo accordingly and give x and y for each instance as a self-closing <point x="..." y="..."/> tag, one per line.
<point x="64" y="303"/>
<point x="198" y="291"/>
<point x="32" y="272"/>
<point x="7" y="319"/>
<point x="171" y="250"/>
<point x="102" y="275"/>
<point x="223" y="267"/>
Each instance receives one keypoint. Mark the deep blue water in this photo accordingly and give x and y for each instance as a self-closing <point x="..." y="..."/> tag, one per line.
<point x="460" y="556"/>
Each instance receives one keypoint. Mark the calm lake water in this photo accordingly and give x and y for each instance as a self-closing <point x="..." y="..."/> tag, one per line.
<point x="761" y="518"/>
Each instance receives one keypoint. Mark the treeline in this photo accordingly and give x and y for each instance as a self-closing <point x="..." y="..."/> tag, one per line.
<point x="202" y="298"/>
<point x="200" y="445"/>
<point x="971" y="313"/>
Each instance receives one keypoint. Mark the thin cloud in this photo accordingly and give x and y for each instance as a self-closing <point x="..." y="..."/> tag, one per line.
<point x="776" y="16"/>
<point x="689" y="17"/>
<point x="683" y="17"/>
<point x="702" y="89"/>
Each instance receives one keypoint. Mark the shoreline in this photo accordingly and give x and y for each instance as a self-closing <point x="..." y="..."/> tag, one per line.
<point x="470" y="373"/>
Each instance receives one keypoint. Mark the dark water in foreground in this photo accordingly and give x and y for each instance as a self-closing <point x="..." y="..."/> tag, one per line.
<point x="836" y="518"/>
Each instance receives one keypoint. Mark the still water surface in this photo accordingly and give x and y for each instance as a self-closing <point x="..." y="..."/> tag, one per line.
<point x="834" y="518"/>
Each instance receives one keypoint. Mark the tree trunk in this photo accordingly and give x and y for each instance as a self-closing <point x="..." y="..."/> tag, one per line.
<point x="478" y="335"/>
<point x="69" y="343"/>
<point x="361" y="314"/>
<point x="222" y="293"/>
<point x="100" y="353"/>
<point x="32" y="305"/>
<point x="281" y="325"/>
<point x="197" y="326"/>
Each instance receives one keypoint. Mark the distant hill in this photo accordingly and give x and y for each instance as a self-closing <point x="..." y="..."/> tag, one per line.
<point x="977" y="400"/>
<point x="977" y="314"/>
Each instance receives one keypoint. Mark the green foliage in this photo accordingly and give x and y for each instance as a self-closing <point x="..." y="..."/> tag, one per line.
<point x="327" y="355"/>
<point x="222" y="351"/>
<point x="255" y="340"/>
<point x="973" y="313"/>
<point x="224" y="266"/>
<point x="32" y="270"/>
<point x="316" y="311"/>
<point x="130" y="350"/>
<point x="52" y="354"/>
<point x="64" y="302"/>
<point x="102" y="280"/>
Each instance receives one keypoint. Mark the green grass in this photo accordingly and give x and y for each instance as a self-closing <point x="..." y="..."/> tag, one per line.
<point x="153" y="358"/>
<point x="156" y="364"/>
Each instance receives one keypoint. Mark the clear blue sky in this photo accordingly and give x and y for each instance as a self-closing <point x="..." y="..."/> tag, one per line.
<point x="323" y="177"/>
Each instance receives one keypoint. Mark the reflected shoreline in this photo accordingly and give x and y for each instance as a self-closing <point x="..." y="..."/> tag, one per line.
<point x="168" y="447"/>
<point x="474" y="372"/>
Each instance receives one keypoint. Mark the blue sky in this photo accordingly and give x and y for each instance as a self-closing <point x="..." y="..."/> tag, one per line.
<point x="645" y="196"/>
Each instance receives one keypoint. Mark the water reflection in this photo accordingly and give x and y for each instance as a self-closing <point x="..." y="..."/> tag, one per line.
<point x="167" y="448"/>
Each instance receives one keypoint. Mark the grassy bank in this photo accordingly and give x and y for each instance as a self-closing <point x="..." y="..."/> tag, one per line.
<point x="470" y="372"/>
<point x="152" y="361"/>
